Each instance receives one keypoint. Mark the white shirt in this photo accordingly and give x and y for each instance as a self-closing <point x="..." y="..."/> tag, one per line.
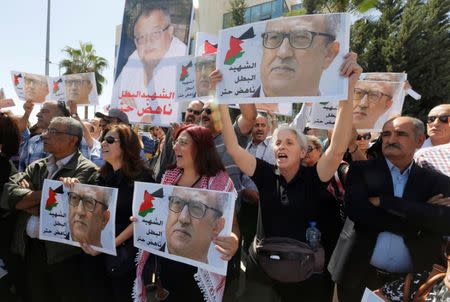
<point x="263" y="150"/>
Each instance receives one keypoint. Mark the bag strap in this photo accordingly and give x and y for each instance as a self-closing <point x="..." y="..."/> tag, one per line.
<point x="259" y="226"/>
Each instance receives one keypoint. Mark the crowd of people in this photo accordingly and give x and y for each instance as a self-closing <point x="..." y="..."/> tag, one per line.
<point x="394" y="188"/>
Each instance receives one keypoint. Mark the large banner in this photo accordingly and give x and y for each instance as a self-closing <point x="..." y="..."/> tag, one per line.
<point x="80" y="88"/>
<point x="83" y="214"/>
<point x="181" y="223"/>
<point x="289" y="59"/>
<point x="154" y="34"/>
<point x="377" y="97"/>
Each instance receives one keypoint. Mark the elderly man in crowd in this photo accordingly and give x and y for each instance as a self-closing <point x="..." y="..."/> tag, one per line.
<point x="194" y="221"/>
<point x="53" y="270"/>
<point x="438" y="126"/>
<point x="396" y="207"/>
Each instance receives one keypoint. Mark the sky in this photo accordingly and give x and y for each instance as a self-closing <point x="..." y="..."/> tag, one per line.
<point x="23" y="35"/>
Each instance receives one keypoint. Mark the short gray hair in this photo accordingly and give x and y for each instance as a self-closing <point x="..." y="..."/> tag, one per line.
<point x="301" y="138"/>
<point x="418" y="126"/>
<point x="73" y="127"/>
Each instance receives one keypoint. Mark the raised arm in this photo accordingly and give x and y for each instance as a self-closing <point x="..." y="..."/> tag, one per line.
<point x="330" y="160"/>
<point x="248" y="111"/>
<point x="243" y="159"/>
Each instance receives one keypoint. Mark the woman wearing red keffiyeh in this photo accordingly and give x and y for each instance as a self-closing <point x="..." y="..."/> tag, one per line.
<point x="198" y="166"/>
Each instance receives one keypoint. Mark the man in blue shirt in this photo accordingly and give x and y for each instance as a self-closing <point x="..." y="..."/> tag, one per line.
<point x="398" y="209"/>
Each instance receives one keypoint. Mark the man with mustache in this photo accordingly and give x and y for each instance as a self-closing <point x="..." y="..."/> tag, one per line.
<point x="261" y="146"/>
<point x="193" y="112"/>
<point x="401" y="212"/>
<point x="195" y="219"/>
<point x="296" y="51"/>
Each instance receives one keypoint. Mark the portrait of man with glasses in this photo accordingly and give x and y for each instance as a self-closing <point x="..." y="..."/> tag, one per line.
<point x="35" y="87"/>
<point x="88" y="213"/>
<point x="371" y="100"/>
<point x="149" y="37"/>
<point x="195" y="219"/>
<point x="78" y="87"/>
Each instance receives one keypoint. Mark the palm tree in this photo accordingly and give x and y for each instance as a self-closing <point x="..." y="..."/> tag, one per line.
<point x="84" y="59"/>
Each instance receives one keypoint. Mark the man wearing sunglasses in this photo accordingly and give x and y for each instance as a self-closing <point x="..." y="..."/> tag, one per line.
<point x="296" y="51"/>
<point x="194" y="221"/>
<point x="53" y="271"/>
<point x="438" y="126"/>
<point x="194" y="111"/>
<point x="88" y="213"/>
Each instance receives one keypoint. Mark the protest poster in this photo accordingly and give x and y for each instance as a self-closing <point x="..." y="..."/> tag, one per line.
<point x="205" y="44"/>
<point x="154" y="34"/>
<point x="370" y="296"/>
<point x="30" y="86"/>
<point x="4" y="103"/>
<point x="193" y="78"/>
<point x="79" y="88"/>
<point x="180" y="223"/>
<point x="84" y="213"/>
<point x="288" y="59"/>
<point x="377" y="97"/>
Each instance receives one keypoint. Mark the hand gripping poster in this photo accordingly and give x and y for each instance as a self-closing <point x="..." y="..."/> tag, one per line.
<point x="181" y="224"/>
<point x="377" y="97"/>
<point x="155" y="33"/>
<point x="82" y="214"/>
<point x="288" y="59"/>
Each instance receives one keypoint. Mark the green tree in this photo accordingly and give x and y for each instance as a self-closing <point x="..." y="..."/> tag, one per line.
<point x="85" y="59"/>
<point x="411" y="36"/>
<point x="237" y="10"/>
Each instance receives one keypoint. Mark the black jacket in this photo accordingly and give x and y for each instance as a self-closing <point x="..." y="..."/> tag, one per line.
<point x="421" y="224"/>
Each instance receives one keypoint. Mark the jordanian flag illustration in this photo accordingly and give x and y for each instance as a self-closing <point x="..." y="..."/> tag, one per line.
<point x="209" y="47"/>
<point x="56" y="85"/>
<point x="184" y="71"/>
<point x="235" y="50"/>
<point x="16" y="78"/>
<point x="51" y="200"/>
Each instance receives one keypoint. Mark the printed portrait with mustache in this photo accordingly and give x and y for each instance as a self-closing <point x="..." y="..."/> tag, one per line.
<point x="296" y="51"/>
<point x="195" y="219"/>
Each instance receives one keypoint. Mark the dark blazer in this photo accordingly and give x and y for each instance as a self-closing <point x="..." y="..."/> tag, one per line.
<point x="421" y="224"/>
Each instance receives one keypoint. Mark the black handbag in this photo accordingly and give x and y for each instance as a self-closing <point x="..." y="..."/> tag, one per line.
<point x="124" y="262"/>
<point x="283" y="259"/>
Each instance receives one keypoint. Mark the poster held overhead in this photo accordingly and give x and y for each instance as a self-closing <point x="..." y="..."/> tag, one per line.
<point x="288" y="59"/>
<point x="155" y="33"/>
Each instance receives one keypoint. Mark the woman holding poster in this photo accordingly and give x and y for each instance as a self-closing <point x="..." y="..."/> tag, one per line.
<point x="197" y="166"/>
<point x="123" y="166"/>
<point x="290" y="202"/>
